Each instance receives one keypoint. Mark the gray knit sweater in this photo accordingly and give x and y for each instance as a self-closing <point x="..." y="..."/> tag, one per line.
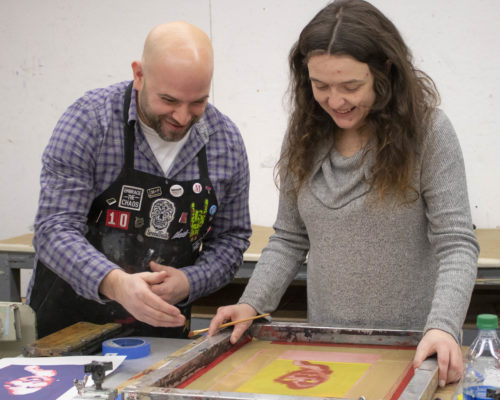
<point x="388" y="266"/>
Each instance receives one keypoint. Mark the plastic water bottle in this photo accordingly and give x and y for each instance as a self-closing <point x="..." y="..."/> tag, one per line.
<point x="482" y="369"/>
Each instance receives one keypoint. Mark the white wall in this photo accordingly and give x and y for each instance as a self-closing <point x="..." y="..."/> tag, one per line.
<point x="54" y="50"/>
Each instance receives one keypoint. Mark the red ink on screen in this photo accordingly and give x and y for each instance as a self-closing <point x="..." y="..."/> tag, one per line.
<point x="308" y="376"/>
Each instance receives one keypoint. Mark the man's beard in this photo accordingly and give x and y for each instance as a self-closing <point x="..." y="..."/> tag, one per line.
<point x="169" y="135"/>
<point x="156" y="122"/>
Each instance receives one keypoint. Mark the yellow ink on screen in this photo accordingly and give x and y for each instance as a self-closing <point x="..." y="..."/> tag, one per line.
<point x="341" y="378"/>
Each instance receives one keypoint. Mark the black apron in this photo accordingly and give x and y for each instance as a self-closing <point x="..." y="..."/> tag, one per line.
<point x="139" y="218"/>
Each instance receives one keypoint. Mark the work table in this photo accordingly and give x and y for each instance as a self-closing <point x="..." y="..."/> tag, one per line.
<point x="18" y="253"/>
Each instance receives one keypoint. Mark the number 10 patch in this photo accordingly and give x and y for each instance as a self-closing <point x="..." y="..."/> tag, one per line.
<point x="117" y="219"/>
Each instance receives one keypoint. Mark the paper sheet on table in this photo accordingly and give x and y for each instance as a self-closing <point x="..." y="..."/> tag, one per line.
<point x="38" y="378"/>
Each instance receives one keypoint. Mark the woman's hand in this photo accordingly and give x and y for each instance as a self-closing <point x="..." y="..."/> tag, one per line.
<point x="232" y="313"/>
<point x="449" y="354"/>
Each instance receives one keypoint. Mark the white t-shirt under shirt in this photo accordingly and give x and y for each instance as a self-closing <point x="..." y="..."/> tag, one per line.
<point x="165" y="152"/>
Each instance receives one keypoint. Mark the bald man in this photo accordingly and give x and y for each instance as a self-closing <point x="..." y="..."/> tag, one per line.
<point x="144" y="197"/>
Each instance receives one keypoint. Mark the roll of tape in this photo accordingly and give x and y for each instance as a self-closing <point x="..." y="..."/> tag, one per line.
<point x="128" y="346"/>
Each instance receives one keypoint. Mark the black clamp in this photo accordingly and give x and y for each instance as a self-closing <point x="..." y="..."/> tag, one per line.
<point x="98" y="371"/>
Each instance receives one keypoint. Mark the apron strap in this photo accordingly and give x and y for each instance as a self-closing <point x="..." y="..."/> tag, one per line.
<point x="202" y="163"/>
<point x="129" y="130"/>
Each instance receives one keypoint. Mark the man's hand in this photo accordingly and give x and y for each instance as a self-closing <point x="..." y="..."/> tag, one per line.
<point x="133" y="292"/>
<point x="449" y="354"/>
<point x="232" y="313"/>
<point x="175" y="286"/>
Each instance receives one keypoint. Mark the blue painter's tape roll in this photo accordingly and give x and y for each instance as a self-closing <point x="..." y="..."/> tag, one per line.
<point x="129" y="346"/>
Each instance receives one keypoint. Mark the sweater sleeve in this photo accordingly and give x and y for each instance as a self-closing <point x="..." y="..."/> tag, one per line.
<point x="450" y="231"/>
<point x="281" y="259"/>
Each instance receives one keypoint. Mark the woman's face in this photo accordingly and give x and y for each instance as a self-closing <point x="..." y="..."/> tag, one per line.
<point x="343" y="87"/>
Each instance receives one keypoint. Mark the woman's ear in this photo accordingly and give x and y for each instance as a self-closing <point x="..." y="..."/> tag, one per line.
<point x="388" y="66"/>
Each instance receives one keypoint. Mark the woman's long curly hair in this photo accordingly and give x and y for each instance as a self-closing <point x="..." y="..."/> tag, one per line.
<point x="405" y="96"/>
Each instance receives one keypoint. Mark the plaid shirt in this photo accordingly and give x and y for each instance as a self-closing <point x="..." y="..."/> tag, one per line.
<point x="85" y="155"/>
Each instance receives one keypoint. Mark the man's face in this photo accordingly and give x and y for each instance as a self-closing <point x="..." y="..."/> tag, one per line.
<point x="171" y="99"/>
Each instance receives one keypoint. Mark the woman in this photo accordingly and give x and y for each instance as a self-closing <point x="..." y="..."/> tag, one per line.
<point x="372" y="188"/>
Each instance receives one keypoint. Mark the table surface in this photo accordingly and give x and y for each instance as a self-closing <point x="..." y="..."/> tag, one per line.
<point x="161" y="349"/>
<point x="489" y="240"/>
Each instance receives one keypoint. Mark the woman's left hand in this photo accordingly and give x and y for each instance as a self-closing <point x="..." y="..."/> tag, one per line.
<point x="449" y="354"/>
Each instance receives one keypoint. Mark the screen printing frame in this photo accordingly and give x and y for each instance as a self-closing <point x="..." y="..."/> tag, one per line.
<point x="161" y="383"/>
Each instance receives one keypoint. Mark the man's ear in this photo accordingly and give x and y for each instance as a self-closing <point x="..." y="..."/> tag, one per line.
<point x="138" y="75"/>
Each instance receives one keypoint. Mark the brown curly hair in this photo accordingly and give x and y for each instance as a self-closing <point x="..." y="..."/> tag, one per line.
<point x="405" y="96"/>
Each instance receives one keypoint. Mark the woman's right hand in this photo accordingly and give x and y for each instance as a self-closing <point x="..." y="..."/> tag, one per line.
<point x="232" y="313"/>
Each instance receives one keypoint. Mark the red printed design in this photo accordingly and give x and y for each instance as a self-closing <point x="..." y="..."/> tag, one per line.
<point x="308" y="376"/>
<point x="117" y="219"/>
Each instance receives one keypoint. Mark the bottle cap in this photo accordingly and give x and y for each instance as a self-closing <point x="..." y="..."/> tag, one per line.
<point x="487" y="321"/>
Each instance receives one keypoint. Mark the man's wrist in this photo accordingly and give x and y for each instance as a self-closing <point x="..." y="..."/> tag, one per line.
<point x="108" y="285"/>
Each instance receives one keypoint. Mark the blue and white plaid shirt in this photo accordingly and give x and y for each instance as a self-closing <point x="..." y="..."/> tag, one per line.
<point x="85" y="155"/>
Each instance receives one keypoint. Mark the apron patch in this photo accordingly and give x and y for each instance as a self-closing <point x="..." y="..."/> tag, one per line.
<point x="180" y="234"/>
<point x="161" y="214"/>
<point x="197" y="188"/>
<point x="176" y="190"/>
<point x="154" y="192"/>
<point x="197" y="245"/>
<point x="197" y="220"/>
<point x="131" y="198"/>
<point x="117" y="219"/>
<point x="138" y="222"/>
<point x="183" y="218"/>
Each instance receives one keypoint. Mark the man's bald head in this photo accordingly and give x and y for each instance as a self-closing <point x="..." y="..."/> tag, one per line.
<point x="173" y="78"/>
<point x="179" y="43"/>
